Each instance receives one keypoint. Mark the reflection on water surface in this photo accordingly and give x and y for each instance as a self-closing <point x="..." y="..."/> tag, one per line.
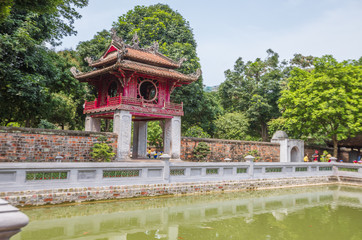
<point x="323" y="212"/>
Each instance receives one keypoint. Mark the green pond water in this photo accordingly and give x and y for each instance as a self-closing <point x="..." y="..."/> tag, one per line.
<point x="320" y="212"/>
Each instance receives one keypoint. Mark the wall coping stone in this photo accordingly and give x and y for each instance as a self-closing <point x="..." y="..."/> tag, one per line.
<point x="228" y="141"/>
<point x="55" y="132"/>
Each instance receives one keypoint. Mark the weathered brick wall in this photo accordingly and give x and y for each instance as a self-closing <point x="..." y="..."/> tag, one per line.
<point x="43" y="145"/>
<point x="37" y="145"/>
<point x="236" y="150"/>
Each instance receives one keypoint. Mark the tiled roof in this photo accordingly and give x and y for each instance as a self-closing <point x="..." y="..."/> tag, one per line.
<point x="150" y="57"/>
<point x="139" y="55"/>
<point x="144" y="69"/>
<point x="139" y="60"/>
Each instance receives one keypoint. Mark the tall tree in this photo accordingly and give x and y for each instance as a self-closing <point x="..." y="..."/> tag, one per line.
<point x="233" y="126"/>
<point x="326" y="101"/>
<point x="173" y="33"/>
<point x="27" y="68"/>
<point x="254" y="89"/>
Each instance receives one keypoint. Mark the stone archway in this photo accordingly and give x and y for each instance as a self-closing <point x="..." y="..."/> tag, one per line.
<point x="294" y="154"/>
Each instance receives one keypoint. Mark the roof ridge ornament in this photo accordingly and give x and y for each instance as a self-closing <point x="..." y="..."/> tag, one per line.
<point x="115" y="37"/>
<point x="121" y="53"/>
<point x="183" y="59"/>
<point x="75" y="71"/>
<point x="196" y="74"/>
<point x="154" y="47"/>
<point x="135" y="41"/>
<point x="89" y="60"/>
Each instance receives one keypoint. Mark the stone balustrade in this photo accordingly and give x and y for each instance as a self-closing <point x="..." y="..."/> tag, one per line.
<point x="33" y="176"/>
<point x="53" y="183"/>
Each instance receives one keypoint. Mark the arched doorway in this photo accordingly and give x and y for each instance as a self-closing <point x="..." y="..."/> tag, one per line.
<point x="294" y="154"/>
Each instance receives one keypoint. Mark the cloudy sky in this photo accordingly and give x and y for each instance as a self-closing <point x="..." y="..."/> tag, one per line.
<point x="228" y="29"/>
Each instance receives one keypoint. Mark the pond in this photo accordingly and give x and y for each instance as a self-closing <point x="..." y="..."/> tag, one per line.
<point x="319" y="212"/>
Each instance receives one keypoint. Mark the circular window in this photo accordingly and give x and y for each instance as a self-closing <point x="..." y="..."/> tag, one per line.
<point x="148" y="90"/>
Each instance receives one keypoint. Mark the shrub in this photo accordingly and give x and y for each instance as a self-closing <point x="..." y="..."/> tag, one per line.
<point x="102" y="151"/>
<point x="201" y="151"/>
<point x="196" y="131"/>
<point x="46" y="125"/>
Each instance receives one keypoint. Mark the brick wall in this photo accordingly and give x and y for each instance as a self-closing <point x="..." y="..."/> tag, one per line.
<point x="236" y="150"/>
<point x="43" y="145"/>
<point x="38" y="145"/>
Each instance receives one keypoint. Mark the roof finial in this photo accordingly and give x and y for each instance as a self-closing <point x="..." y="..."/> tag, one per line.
<point x="115" y="37"/>
<point x="181" y="61"/>
<point x="135" y="41"/>
<point x="155" y="46"/>
<point x="196" y="74"/>
<point x="75" y="71"/>
<point x="88" y="60"/>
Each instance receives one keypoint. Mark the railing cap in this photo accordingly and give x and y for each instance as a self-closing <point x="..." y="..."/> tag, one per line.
<point x="165" y="157"/>
<point x="249" y="158"/>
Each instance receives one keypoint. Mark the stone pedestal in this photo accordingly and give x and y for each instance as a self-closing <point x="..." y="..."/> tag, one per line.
<point x="139" y="139"/>
<point x="92" y="124"/>
<point x="11" y="220"/>
<point x="172" y="137"/>
<point x="122" y="124"/>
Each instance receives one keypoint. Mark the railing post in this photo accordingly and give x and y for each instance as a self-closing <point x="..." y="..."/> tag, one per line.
<point x="166" y="167"/>
<point x="334" y="167"/>
<point x="250" y="160"/>
<point x="11" y="220"/>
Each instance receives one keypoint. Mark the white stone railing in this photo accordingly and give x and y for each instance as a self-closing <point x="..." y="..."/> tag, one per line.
<point x="34" y="176"/>
<point x="28" y="177"/>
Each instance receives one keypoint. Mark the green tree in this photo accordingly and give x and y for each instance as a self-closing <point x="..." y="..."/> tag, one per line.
<point x="232" y="125"/>
<point x="196" y="131"/>
<point x="154" y="134"/>
<point x="66" y="83"/>
<point x="35" y="6"/>
<point x="279" y="124"/>
<point x="61" y="109"/>
<point x="326" y="101"/>
<point x="93" y="48"/>
<point x="27" y="69"/>
<point x="254" y="88"/>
